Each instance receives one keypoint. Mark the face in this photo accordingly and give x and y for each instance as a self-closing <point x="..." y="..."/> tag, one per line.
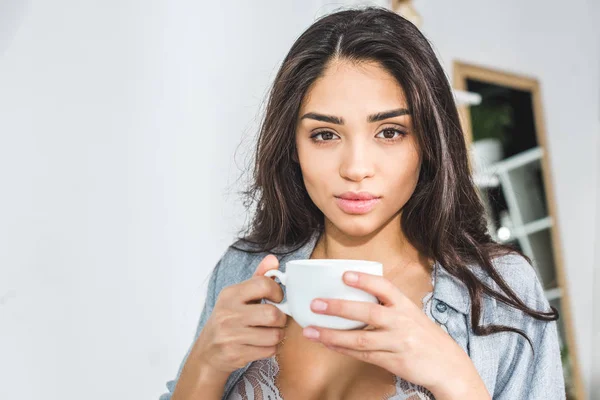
<point x="359" y="157"/>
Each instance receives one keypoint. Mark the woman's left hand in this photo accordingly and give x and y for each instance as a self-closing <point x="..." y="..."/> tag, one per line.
<point x="404" y="340"/>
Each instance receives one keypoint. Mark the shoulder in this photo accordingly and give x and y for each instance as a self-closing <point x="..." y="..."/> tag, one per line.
<point x="517" y="274"/>
<point x="515" y="357"/>
<point x="521" y="277"/>
<point x="237" y="264"/>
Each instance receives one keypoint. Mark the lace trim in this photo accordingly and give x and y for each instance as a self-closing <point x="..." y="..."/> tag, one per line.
<point x="258" y="381"/>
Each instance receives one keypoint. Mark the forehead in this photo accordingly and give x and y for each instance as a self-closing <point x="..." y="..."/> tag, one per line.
<point x="354" y="87"/>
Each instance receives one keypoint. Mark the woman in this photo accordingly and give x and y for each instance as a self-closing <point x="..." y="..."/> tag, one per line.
<point x="361" y="156"/>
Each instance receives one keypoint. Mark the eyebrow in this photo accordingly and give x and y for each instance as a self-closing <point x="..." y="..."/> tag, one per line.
<point x="380" y="116"/>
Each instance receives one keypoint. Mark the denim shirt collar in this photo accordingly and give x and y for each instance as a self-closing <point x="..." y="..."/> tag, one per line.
<point x="447" y="289"/>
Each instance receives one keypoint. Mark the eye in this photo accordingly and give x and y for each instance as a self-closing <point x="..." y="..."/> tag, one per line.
<point x="323" y="136"/>
<point x="391" y="134"/>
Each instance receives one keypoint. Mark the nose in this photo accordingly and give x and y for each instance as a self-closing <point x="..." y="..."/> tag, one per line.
<point x="357" y="163"/>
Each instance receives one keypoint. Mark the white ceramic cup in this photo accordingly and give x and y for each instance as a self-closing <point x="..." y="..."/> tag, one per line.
<point x="306" y="280"/>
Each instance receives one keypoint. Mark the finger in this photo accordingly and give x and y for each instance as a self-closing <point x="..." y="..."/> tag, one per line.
<point x="376" y="285"/>
<point x="356" y="340"/>
<point x="369" y="313"/>
<point x="380" y="358"/>
<point x="259" y="336"/>
<point x="254" y="353"/>
<point x="268" y="263"/>
<point x="259" y="287"/>
<point x="263" y="315"/>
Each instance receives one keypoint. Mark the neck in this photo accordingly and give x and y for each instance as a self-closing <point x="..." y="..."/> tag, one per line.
<point x="387" y="245"/>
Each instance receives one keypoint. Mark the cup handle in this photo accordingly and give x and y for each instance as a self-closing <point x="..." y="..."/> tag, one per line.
<point x="281" y="275"/>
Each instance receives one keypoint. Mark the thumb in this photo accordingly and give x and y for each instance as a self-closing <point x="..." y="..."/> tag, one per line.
<point x="268" y="263"/>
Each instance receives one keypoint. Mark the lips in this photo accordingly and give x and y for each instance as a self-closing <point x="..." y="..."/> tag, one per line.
<point x="357" y="202"/>
<point x="357" y="196"/>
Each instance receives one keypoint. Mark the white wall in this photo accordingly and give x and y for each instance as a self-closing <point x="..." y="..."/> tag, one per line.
<point x="595" y="373"/>
<point x="118" y="122"/>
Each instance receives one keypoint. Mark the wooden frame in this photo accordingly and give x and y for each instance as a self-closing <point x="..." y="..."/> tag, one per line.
<point x="463" y="71"/>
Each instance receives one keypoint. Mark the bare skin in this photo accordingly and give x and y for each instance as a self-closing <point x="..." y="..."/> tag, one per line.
<point x="355" y="134"/>
<point x="309" y="370"/>
<point x="374" y="150"/>
<point x="356" y="156"/>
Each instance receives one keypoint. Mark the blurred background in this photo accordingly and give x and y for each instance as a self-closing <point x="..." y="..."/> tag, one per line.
<point x="126" y="127"/>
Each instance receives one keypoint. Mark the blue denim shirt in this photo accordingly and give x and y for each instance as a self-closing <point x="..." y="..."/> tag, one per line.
<point x="504" y="360"/>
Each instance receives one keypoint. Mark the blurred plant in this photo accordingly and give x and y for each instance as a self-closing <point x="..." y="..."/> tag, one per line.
<point x="494" y="117"/>
<point x="492" y="121"/>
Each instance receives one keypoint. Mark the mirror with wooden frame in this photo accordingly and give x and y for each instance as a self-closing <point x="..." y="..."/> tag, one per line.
<point x="510" y="164"/>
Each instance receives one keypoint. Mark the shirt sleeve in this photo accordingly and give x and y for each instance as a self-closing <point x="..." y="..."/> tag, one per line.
<point x="547" y="380"/>
<point x="532" y="374"/>
<point x="206" y="311"/>
<point x="535" y="376"/>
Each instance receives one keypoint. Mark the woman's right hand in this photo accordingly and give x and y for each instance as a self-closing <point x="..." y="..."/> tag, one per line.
<point x="240" y="329"/>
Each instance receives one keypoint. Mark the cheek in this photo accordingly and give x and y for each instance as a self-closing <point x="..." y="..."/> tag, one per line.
<point x="402" y="178"/>
<point x="316" y="171"/>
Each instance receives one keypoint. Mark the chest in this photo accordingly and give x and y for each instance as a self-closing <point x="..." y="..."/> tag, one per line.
<point x="303" y="369"/>
<point x="310" y="371"/>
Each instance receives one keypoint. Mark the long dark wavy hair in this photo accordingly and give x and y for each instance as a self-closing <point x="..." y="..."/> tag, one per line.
<point x="444" y="218"/>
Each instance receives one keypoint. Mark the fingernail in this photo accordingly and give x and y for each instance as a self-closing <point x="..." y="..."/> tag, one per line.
<point x="319" y="305"/>
<point x="351" y="277"/>
<point x="311" y="333"/>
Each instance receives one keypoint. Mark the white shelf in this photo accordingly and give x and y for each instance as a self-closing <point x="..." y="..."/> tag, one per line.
<point x="518" y="160"/>
<point x="527" y="229"/>
<point x="489" y="178"/>
<point x="529" y="224"/>
<point x="533" y="227"/>
<point x="553" y="294"/>
<point x="463" y="97"/>
<point x="486" y="180"/>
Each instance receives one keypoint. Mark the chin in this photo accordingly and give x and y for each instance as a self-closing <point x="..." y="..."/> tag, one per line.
<point x="355" y="226"/>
